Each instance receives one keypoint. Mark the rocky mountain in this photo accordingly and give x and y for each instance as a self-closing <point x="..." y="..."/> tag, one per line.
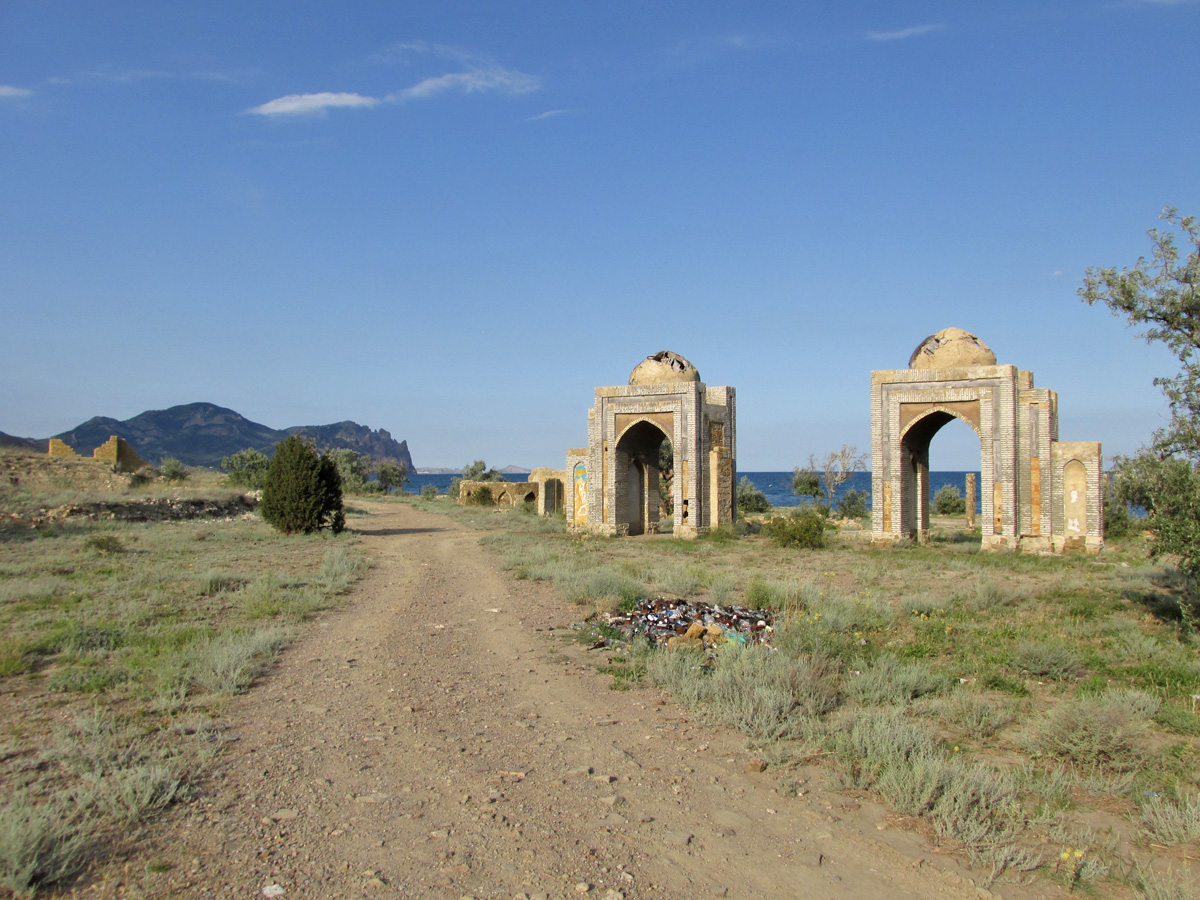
<point x="202" y="434"/>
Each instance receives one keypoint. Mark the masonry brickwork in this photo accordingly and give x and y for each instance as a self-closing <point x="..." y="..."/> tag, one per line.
<point x="1037" y="494"/>
<point x="117" y="453"/>
<point x="614" y="483"/>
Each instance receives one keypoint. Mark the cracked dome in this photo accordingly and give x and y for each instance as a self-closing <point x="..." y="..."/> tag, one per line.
<point x="951" y="348"/>
<point x="664" y="368"/>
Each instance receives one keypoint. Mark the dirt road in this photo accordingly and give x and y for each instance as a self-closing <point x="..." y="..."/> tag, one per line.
<point x="439" y="737"/>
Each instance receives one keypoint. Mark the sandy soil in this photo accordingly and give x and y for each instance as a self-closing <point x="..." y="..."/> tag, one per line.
<point x="439" y="736"/>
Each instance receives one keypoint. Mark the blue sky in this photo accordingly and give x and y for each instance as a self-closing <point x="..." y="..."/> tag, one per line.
<point x="454" y="220"/>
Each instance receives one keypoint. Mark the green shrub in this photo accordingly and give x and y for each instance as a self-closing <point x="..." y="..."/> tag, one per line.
<point x="948" y="501"/>
<point x="247" y="468"/>
<point x="429" y="492"/>
<point x="854" y="504"/>
<point x="172" y="469"/>
<point x="750" y="499"/>
<point x="804" y="528"/>
<point x="303" y="492"/>
<point x="482" y="496"/>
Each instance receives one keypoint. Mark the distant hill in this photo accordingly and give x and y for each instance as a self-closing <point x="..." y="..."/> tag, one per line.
<point x="8" y="440"/>
<point x="202" y="434"/>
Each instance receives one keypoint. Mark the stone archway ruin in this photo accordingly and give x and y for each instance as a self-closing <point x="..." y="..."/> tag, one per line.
<point x="614" y="485"/>
<point x="1037" y="493"/>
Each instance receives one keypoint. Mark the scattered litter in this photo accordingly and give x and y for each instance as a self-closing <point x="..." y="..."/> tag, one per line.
<point x="273" y="890"/>
<point x="670" y="621"/>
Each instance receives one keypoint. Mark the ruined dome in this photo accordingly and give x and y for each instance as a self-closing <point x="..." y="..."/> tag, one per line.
<point x="951" y="348"/>
<point x="664" y="368"/>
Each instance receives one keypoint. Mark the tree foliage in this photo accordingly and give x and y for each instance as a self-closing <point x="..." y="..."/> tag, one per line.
<point x="303" y="491"/>
<point x="353" y="468"/>
<point x="1161" y="294"/>
<point x="806" y="482"/>
<point x="666" y="478"/>
<point x="392" y="475"/>
<point x="479" y="471"/>
<point x="247" y="468"/>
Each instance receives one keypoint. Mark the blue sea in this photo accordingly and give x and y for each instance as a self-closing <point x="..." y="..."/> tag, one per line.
<point x="776" y="485"/>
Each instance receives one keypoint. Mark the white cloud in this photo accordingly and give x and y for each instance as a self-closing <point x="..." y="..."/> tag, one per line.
<point x="904" y="33"/>
<point x="311" y="104"/>
<point x="7" y="90"/>
<point x="500" y="80"/>
<point x="548" y="114"/>
<point x="480" y="74"/>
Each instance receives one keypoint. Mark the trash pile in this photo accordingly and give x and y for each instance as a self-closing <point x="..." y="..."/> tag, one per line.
<point x="677" y="623"/>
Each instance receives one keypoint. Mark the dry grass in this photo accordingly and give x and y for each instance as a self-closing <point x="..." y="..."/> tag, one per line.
<point x="159" y="621"/>
<point x="997" y="695"/>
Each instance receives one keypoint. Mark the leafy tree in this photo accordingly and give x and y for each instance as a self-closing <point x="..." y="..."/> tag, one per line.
<point x="353" y="468"/>
<point x="750" y="499"/>
<point x="806" y="482"/>
<point x="392" y="475"/>
<point x="1162" y="294"/>
<point x="303" y="491"/>
<point x="172" y="469"/>
<point x="479" y="471"/>
<point x="947" y="501"/>
<point x="476" y="471"/>
<point x="247" y="467"/>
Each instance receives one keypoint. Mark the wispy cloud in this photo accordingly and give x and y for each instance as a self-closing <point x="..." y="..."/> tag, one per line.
<point x="904" y="33"/>
<point x="311" y="104"/>
<point x="498" y="79"/>
<point x="477" y="74"/>
<point x="548" y="114"/>
<point x="7" y="90"/>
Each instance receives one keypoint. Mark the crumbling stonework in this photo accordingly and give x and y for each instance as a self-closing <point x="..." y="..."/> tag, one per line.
<point x="614" y="483"/>
<point x="551" y="496"/>
<point x="1037" y="493"/>
<point x="60" y="450"/>
<point x="504" y="493"/>
<point x="116" y="452"/>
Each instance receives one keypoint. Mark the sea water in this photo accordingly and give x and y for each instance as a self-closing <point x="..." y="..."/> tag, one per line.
<point x="777" y="486"/>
